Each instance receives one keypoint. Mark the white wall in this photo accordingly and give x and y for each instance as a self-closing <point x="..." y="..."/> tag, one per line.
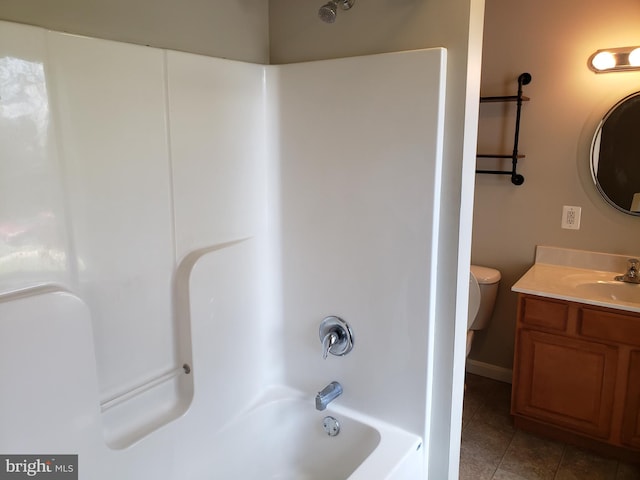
<point x="552" y="41"/>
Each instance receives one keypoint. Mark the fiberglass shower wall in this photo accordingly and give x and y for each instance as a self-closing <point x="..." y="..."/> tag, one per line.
<point x="122" y="167"/>
<point x="360" y="167"/>
<point x="161" y="208"/>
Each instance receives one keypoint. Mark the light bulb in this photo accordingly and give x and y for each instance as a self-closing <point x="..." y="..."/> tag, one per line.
<point x="634" y="57"/>
<point x="603" y="61"/>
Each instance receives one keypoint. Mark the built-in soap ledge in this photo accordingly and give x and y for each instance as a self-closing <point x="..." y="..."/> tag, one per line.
<point x="137" y="412"/>
<point x="31" y="291"/>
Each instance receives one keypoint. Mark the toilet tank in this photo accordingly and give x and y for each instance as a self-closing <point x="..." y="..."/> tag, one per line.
<point x="474" y="300"/>
<point x="488" y="280"/>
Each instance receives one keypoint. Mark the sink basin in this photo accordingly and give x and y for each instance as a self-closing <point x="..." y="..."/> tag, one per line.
<point x="587" y="278"/>
<point x="610" y="290"/>
<point x="582" y="277"/>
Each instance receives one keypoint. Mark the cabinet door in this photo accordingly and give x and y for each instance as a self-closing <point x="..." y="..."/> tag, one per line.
<point x="631" y="418"/>
<point x="566" y="382"/>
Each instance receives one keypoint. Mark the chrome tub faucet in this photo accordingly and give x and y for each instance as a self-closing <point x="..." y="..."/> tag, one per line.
<point x="327" y="395"/>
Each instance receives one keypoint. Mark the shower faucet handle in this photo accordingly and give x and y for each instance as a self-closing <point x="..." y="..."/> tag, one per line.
<point x="328" y="342"/>
<point x="336" y="336"/>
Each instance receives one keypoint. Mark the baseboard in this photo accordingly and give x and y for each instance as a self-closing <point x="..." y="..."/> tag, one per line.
<point x="490" y="371"/>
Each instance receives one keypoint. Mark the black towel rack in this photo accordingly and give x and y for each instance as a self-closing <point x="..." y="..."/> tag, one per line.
<point x="516" y="178"/>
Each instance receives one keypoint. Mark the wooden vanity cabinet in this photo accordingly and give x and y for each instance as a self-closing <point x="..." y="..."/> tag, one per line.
<point x="576" y="374"/>
<point x="631" y="417"/>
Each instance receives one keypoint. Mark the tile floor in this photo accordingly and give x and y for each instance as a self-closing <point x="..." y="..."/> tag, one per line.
<point x="493" y="449"/>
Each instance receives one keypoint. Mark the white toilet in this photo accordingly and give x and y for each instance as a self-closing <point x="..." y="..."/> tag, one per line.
<point x="483" y="289"/>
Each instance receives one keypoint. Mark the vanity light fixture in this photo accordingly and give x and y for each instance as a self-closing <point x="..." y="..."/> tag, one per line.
<point x="615" y="60"/>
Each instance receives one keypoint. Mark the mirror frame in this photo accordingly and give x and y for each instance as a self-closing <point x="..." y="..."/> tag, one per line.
<point x="595" y="152"/>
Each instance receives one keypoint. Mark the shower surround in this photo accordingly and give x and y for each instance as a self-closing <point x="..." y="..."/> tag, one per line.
<point x="173" y="228"/>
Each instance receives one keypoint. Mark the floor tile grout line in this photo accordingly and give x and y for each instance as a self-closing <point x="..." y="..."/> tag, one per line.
<point x="564" y="451"/>
<point x="488" y="397"/>
<point x="476" y="410"/>
<point x="513" y="436"/>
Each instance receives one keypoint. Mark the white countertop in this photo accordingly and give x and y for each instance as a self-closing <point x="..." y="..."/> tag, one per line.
<point x="578" y="276"/>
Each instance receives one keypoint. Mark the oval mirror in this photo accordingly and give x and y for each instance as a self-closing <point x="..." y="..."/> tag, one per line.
<point x="615" y="155"/>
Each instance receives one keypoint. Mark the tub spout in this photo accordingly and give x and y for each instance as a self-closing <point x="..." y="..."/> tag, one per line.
<point x="327" y="395"/>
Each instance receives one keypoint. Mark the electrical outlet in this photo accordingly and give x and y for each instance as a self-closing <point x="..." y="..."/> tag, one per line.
<point x="571" y="217"/>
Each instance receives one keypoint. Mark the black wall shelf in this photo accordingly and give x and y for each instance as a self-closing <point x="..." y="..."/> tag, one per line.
<point x="516" y="178"/>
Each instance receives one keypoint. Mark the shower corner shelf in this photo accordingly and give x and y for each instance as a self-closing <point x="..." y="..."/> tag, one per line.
<point x="516" y="178"/>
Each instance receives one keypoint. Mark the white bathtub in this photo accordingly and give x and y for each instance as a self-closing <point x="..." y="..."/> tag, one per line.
<point x="281" y="438"/>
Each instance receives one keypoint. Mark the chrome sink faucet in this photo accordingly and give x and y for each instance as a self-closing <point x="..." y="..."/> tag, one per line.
<point x="327" y="395"/>
<point x="632" y="274"/>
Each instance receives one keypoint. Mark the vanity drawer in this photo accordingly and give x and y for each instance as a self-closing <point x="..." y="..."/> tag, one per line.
<point x="544" y="313"/>
<point x="604" y="325"/>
